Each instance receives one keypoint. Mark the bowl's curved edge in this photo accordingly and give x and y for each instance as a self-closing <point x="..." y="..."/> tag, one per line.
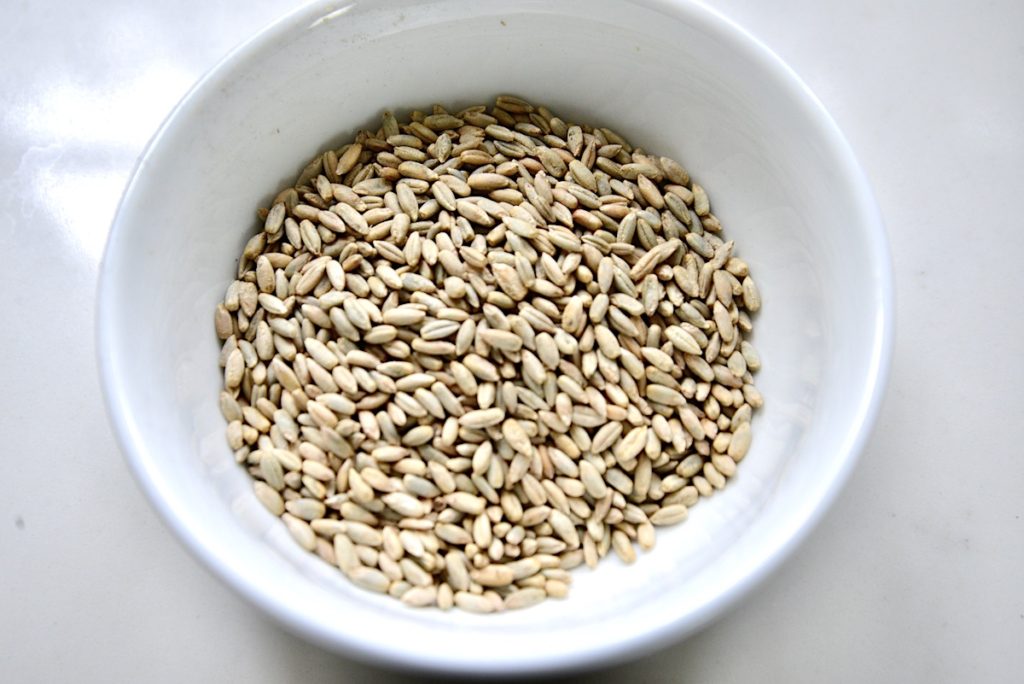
<point x="366" y="650"/>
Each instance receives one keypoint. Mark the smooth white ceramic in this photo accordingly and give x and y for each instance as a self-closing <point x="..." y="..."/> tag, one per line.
<point x="673" y="77"/>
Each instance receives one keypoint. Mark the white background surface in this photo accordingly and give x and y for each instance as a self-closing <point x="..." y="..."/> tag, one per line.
<point x="914" y="575"/>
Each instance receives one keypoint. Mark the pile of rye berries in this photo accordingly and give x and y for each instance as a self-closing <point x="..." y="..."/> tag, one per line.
<point x="470" y="351"/>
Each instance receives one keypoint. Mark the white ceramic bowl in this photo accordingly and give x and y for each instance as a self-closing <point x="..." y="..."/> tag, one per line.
<point x="673" y="77"/>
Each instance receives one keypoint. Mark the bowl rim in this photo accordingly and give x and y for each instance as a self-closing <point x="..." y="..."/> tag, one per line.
<point x="113" y="379"/>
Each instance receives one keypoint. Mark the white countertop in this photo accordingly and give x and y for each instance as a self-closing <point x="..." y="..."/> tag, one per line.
<point x="915" y="575"/>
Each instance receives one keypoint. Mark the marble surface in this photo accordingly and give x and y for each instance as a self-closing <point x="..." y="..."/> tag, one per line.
<point x="915" y="573"/>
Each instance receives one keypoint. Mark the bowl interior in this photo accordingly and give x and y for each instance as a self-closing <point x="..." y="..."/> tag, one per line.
<point x="671" y="77"/>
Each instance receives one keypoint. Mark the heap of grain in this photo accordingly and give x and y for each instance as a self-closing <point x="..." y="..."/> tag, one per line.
<point x="470" y="352"/>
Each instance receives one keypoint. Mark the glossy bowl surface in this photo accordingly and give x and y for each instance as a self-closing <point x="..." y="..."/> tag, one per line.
<point x="673" y="77"/>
